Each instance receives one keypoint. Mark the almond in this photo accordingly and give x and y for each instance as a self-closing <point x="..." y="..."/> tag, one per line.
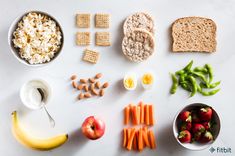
<point x="83" y="80"/>
<point x="105" y="85"/>
<point x="97" y="85"/>
<point x="102" y="92"/>
<point x="87" y="95"/>
<point x="92" y="80"/>
<point x="92" y="86"/>
<point x="73" y="77"/>
<point x="80" y="86"/>
<point x="80" y="96"/>
<point x="74" y="84"/>
<point x="94" y="92"/>
<point x="86" y="88"/>
<point x="99" y="75"/>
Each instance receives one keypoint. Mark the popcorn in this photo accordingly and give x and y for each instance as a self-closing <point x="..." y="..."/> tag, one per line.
<point x="37" y="37"/>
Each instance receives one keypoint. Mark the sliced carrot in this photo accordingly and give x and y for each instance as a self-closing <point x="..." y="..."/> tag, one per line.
<point x="126" y="115"/>
<point x="146" y="113"/>
<point x="138" y="115"/>
<point x="130" y="139"/>
<point x="135" y="143"/>
<point x="134" y="112"/>
<point x="141" y="112"/>
<point x="128" y="134"/>
<point x="145" y="137"/>
<point x="124" y="137"/>
<point x="152" y="139"/>
<point x="140" y="140"/>
<point x="151" y="115"/>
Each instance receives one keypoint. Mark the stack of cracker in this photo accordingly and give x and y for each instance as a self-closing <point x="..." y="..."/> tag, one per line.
<point x="138" y="42"/>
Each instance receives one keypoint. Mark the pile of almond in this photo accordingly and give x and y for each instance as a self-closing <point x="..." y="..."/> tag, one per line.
<point x="89" y="87"/>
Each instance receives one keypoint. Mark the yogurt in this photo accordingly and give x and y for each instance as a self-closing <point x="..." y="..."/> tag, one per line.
<point x="31" y="97"/>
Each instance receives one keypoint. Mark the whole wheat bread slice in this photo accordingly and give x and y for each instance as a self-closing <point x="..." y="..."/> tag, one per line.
<point x="194" y="34"/>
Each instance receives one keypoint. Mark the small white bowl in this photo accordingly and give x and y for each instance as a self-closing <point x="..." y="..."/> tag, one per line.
<point x="30" y="86"/>
<point x="15" y="50"/>
<point x="197" y="146"/>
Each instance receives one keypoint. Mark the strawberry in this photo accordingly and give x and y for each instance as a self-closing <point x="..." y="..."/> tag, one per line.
<point x="195" y="117"/>
<point x="205" y="114"/>
<point x="207" y="125"/>
<point x="185" y="136"/>
<point x="198" y="128"/>
<point x="186" y="126"/>
<point x="197" y="136"/>
<point x="206" y="137"/>
<point x="185" y="116"/>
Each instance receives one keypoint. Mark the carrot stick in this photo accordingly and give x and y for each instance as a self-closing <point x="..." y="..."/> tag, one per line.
<point x="128" y="134"/>
<point x="146" y="113"/>
<point x="152" y="139"/>
<point x="145" y="137"/>
<point x="151" y="115"/>
<point x="126" y="115"/>
<point x="135" y="141"/>
<point x="124" y="137"/>
<point x="140" y="140"/>
<point x="134" y="112"/>
<point x="141" y="112"/>
<point x="130" y="139"/>
<point x="138" y="115"/>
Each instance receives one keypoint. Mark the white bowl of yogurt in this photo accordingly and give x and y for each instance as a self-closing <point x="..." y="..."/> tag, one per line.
<point x="31" y="97"/>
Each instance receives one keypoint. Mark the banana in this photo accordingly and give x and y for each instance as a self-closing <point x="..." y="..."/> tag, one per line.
<point x="33" y="142"/>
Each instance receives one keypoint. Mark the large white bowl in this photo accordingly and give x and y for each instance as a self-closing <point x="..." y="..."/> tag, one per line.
<point x="15" y="50"/>
<point x="195" y="145"/>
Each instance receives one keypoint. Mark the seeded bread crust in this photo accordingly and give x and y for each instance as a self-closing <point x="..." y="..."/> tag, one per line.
<point x="194" y="34"/>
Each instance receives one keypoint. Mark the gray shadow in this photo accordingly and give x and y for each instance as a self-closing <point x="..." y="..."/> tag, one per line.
<point x="75" y="142"/>
<point x="166" y="141"/>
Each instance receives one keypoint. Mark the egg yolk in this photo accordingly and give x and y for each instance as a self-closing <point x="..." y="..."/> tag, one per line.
<point x="129" y="82"/>
<point x="147" y="79"/>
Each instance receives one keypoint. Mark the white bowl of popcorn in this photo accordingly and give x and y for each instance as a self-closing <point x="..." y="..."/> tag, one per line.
<point x="35" y="38"/>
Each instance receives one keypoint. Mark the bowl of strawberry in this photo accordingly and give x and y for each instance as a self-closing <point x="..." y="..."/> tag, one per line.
<point x="196" y="126"/>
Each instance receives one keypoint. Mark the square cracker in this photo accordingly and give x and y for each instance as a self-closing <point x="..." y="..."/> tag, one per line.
<point x="102" y="39"/>
<point x="91" y="56"/>
<point x="83" y="20"/>
<point x="83" y="38"/>
<point x="102" y="20"/>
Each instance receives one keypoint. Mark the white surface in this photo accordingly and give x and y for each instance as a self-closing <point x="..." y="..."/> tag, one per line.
<point x="69" y="113"/>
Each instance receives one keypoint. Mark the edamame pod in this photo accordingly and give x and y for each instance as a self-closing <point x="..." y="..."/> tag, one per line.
<point x="188" y="67"/>
<point x="194" y="85"/>
<point x="174" y="84"/>
<point x="210" y="72"/>
<point x="210" y="93"/>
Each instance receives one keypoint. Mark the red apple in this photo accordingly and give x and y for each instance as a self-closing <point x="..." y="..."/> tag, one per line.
<point x="93" y="128"/>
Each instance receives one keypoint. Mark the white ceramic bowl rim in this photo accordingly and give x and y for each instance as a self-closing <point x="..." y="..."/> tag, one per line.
<point x="49" y="92"/>
<point x="195" y="146"/>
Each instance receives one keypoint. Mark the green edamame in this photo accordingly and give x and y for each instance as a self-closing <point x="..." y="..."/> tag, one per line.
<point x="194" y="85"/>
<point x="195" y="80"/>
<point x="201" y="76"/>
<point x="210" y="72"/>
<point x="186" y="86"/>
<point x="210" y="93"/>
<point x="189" y="66"/>
<point x="200" y="69"/>
<point x="210" y="86"/>
<point x="174" y="84"/>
